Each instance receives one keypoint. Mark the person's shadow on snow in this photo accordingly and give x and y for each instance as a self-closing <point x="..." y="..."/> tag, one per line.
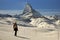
<point x="22" y="37"/>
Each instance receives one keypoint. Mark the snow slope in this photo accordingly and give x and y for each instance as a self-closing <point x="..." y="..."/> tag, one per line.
<point x="45" y="31"/>
<point x="26" y="33"/>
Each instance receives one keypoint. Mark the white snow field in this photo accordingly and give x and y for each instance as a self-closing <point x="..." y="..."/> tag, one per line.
<point x="27" y="33"/>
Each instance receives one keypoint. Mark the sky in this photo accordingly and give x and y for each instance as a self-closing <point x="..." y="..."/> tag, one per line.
<point x="36" y="4"/>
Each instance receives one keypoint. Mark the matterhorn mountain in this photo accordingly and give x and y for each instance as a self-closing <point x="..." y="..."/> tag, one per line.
<point x="36" y="19"/>
<point x="29" y="12"/>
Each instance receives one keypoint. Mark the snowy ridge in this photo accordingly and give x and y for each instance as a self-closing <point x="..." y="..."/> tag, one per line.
<point x="42" y="23"/>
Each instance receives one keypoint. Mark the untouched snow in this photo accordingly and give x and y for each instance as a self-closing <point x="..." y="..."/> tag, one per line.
<point x="26" y="33"/>
<point x="47" y="32"/>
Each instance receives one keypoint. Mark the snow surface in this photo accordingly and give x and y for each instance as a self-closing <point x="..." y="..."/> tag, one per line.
<point x="28" y="33"/>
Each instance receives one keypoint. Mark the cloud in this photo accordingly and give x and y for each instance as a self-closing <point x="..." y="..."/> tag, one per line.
<point x="43" y="12"/>
<point x="50" y="13"/>
<point x="12" y="12"/>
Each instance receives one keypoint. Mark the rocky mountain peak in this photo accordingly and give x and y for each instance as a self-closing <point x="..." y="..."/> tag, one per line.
<point x="29" y="12"/>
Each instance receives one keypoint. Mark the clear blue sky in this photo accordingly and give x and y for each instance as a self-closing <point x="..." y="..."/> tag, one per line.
<point x="36" y="4"/>
<point x="43" y="6"/>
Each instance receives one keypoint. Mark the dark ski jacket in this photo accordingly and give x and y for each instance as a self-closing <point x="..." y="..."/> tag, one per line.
<point x="15" y="26"/>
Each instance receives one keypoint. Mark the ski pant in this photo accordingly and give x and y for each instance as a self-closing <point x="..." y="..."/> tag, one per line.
<point x="15" y="33"/>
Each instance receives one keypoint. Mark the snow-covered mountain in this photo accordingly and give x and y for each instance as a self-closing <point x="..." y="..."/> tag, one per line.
<point x="29" y="12"/>
<point x="37" y="19"/>
<point x="46" y="22"/>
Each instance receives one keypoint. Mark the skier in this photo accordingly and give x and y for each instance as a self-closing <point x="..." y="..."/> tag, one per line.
<point x="15" y="28"/>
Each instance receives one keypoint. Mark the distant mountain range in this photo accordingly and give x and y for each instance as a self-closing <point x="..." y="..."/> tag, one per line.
<point x="5" y="15"/>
